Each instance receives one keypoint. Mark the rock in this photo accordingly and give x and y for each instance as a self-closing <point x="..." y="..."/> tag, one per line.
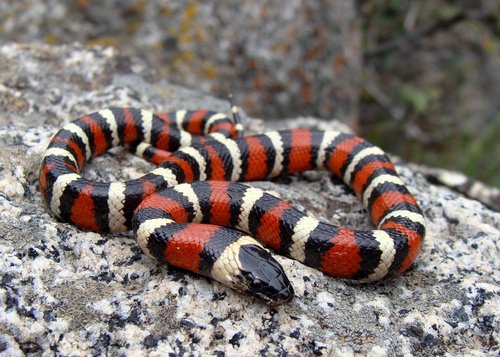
<point x="219" y="47"/>
<point x="68" y="292"/>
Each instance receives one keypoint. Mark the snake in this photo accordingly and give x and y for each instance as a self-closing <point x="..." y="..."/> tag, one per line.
<point x="193" y="211"/>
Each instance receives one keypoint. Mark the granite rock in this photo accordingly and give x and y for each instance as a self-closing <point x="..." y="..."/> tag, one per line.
<point x="68" y="292"/>
<point x="219" y="47"/>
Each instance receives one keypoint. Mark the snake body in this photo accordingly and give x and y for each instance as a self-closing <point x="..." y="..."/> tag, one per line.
<point x="192" y="213"/>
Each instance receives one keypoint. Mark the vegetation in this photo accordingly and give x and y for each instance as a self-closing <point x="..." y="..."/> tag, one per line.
<point x="432" y="77"/>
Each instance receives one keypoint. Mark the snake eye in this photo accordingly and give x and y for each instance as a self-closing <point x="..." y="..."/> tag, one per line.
<point x="257" y="284"/>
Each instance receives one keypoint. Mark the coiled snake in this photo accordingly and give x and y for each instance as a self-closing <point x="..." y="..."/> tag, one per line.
<point x="191" y="213"/>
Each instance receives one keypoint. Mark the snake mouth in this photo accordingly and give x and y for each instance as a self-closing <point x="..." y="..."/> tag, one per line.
<point x="285" y="295"/>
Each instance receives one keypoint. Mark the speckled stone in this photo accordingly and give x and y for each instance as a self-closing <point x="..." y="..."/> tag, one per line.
<point x="218" y="46"/>
<point x="68" y="292"/>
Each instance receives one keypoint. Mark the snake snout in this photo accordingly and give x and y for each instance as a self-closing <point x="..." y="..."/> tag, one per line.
<point x="263" y="276"/>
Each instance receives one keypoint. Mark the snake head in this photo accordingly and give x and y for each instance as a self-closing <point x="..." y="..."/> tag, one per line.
<point x="248" y="267"/>
<point x="262" y="276"/>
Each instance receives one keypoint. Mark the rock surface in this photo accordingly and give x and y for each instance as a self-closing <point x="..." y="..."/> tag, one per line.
<point x="68" y="292"/>
<point x="218" y="47"/>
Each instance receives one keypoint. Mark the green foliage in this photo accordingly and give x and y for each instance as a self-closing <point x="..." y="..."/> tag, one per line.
<point x="431" y="82"/>
<point x="482" y="157"/>
<point x="418" y="99"/>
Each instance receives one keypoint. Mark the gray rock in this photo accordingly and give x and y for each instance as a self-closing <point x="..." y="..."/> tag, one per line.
<point x="281" y="57"/>
<point x="68" y="292"/>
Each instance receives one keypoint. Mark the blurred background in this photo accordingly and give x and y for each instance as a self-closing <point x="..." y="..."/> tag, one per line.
<point x="421" y="79"/>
